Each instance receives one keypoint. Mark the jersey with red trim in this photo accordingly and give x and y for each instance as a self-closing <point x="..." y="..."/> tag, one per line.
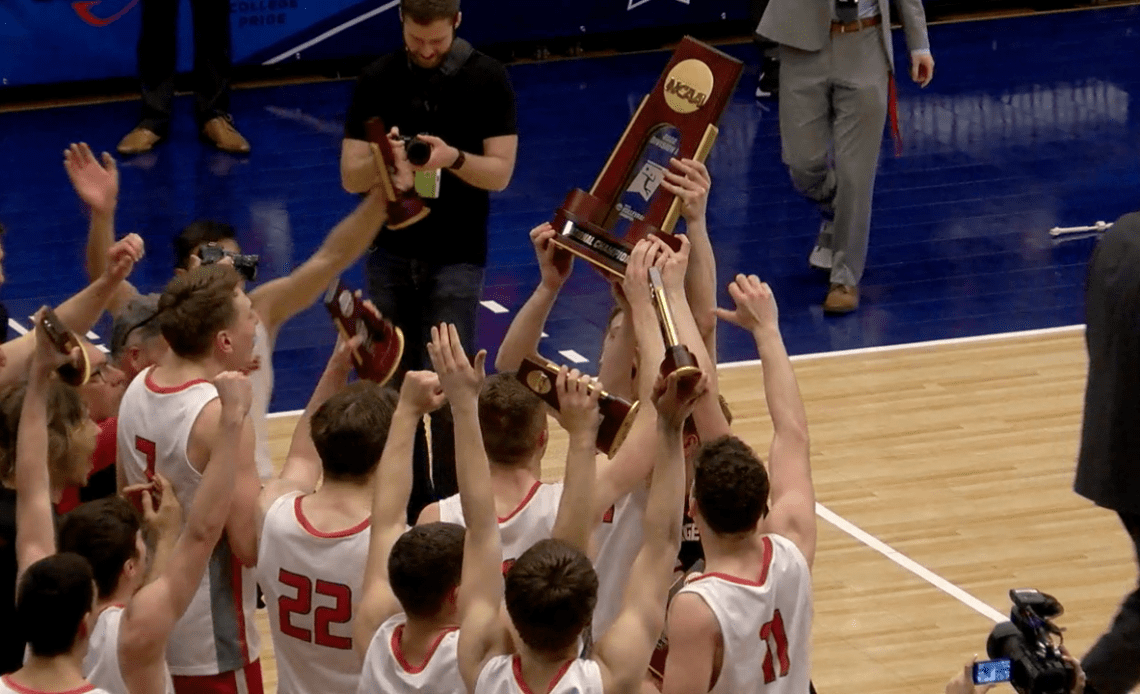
<point x="313" y="582"/>
<point x="765" y="622"/>
<point x="618" y="540"/>
<point x="261" y="381"/>
<point x="387" y="670"/>
<point x="101" y="665"/>
<point x="503" y="675"/>
<point x="216" y="634"/>
<point x="7" y="686"/>
<point x="532" y="521"/>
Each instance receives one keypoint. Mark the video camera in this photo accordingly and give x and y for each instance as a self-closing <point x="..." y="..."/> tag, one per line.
<point x="418" y="151"/>
<point x="245" y="264"/>
<point x="1037" y="665"/>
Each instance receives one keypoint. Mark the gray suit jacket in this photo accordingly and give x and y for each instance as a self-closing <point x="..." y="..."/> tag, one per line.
<point x="806" y="24"/>
<point x="1108" y="468"/>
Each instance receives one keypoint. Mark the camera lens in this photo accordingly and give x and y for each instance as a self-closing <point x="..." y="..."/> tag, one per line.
<point x="419" y="152"/>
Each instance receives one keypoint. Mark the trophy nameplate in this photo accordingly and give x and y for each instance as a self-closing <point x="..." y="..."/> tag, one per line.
<point x="678" y="358"/>
<point x="65" y="341"/>
<point x="404" y="208"/>
<point x="539" y="375"/>
<point x="379" y="353"/>
<point x="676" y="120"/>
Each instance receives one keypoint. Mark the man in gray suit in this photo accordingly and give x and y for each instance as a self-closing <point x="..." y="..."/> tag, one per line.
<point x="836" y="64"/>
<point x="1108" y="468"/>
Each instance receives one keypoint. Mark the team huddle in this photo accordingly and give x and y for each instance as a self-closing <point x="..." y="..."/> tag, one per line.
<point x="679" y="562"/>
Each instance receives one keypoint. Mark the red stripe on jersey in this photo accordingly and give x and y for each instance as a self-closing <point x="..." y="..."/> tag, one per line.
<point x="28" y="690"/>
<point x="168" y="390"/>
<point x="516" y="667"/>
<point x="523" y="503"/>
<point x="399" y="652"/>
<point x="312" y="530"/>
<point x="239" y="607"/>
<point x="767" y="565"/>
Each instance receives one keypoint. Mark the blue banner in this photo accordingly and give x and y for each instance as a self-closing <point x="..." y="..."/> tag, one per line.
<point x="50" y="41"/>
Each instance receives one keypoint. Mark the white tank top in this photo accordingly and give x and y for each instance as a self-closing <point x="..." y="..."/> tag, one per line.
<point x="101" y="664"/>
<point x="261" y="379"/>
<point x="7" y="686"/>
<point x="531" y="521"/>
<point x="503" y="675"/>
<point x="313" y="582"/>
<point x="618" y="540"/>
<point x="216" y="634"/>
<point x="765" y="623"/>
<point x="387" y="671"/>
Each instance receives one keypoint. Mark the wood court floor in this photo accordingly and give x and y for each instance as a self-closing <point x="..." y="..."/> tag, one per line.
<point x="957" y="455"/>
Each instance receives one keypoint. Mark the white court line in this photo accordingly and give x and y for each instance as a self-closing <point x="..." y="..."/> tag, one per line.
<point x="332" y="32"/>
<point x="494" y="306"/>
<point x="17" y="327"/>
<point x="909" y="564"/>
<point x="573" y="356"/>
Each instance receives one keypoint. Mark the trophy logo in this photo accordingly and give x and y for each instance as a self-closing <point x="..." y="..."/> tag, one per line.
<point x="688" y="86"/>
<point x="538" y="382"/>
<point x="345" y="303"/>
<point x="646" y="182"/>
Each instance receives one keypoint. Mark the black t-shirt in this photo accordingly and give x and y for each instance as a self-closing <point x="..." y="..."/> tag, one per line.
<point x="11" y="642"/>
<point x="464" y="108"/>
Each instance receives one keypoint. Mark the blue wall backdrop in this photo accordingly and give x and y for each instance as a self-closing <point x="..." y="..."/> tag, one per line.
<point x="48" y="41"/>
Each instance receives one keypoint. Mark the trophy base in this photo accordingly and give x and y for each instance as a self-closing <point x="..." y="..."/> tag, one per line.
<point x="580" y="233"/>
<point x="383" y="360"/>
<point x="405" y="211"/>
<point x="612" y="432"/>
<point x="680" y="361"/>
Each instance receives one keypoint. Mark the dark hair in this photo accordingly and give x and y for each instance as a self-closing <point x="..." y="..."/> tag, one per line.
<point x="425" y="564"/>
<point x="511" y="419"/>
<point x="195" y="306"/>
<point x="428" y="11"/>
<point x="53" y="597"/>
<point x="138" y="317"/>
<point x="550" y="593"/>
<point x="65" y="413"/>
<point x="350" y="429"/>
<point x="730" y="485"/>
<point x="195" y="234"/>
<point x="103" y="532"/>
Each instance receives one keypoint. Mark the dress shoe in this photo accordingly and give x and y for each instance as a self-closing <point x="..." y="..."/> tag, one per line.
<point x="138" y="141"/>
<point x="221" y="131"/>
<point x="841" y="299"/>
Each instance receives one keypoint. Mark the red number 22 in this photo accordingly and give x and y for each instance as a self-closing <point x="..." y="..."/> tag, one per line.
<point x="302" y="603"/>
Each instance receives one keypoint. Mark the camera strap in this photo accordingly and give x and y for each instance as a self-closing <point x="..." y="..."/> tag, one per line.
<point x="457" y="57"/>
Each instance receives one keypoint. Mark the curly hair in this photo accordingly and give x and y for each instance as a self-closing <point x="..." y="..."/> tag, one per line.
<point x="730" y="485"/>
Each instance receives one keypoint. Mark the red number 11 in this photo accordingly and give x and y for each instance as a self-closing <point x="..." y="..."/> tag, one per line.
<point x="777" y="641"/>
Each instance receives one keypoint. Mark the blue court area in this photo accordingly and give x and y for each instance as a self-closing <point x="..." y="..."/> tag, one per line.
<point x="1029" y="124"/>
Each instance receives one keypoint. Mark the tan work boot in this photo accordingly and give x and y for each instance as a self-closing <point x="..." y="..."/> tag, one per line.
<point x="841" y="299"/>
<point x="138" y="141"/>
<point x="224" y="135"/>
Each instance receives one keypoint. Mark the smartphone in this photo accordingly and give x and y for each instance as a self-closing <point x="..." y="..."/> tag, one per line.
<point x="991" y="671"/>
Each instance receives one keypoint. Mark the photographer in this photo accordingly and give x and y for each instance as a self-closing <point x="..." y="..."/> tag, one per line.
<point x="458" y="102"/>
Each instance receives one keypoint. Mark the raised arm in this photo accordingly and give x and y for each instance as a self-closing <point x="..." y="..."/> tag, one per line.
<point x="578" y="400"/>
<point x="690" y="182"/>
<point x="624" y="651"/>
<point x="792" y="495"/>
<point x="152" y="612"/>
<point x="392" y="485"/>
<point x="482" y="578"/>
<point x="525" y="331"/>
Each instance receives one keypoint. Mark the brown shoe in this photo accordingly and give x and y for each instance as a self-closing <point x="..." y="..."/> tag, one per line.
<point x="224" y="135"/>
<point x="841" y="299"/>
<point x="138" y="141"/>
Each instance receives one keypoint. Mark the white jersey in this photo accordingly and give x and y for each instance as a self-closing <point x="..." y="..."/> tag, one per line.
<point x="313" y="582"/>
<point x="101" y="664"/>
<point x="618" y="540"/>
<point x="216" y="633"/>
<point x="387" y="671"/>
<point x="765" y="624"/>
<point x="261" y="380"/>
<point x="532" y="521"/>
<point x="7" y="686"/>
<point x="503" y="675"/>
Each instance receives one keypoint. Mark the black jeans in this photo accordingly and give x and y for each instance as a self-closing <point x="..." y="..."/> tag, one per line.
<point x="1113" y="664"/>
<point x="416" y="295"/>
<point x="158" y="53"/>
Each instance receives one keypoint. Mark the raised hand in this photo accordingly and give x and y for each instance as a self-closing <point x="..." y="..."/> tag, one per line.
<point x="674" y="406"/>
<point x="755" y="306"/>
<point x="578" y="403"/>
<point x="443" y="155"/>
<point x="122" y="256"/>
<point x="636" y="282"/>
<point x="461" y="379"/>
<point x="422" y="392"/>
<point x="673" y="264"/>
<point x="166" y="517"/>
<point x="235" y="393"/>
<point x="555" y="263"/>
<point x="404" y="178"/>
<point x="96" y="184"/>
<point x="690" y="182"/>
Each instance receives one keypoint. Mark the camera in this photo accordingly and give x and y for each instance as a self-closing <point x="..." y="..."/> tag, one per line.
<point x="1037" y="665"/>
<point x="418" y="151"/>
<point x="244" y="264"/>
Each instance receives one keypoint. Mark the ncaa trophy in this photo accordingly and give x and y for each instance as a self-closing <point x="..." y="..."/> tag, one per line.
<point x="404" y="208"/>
<point x="676" y="120"/>
<point x="382" y="343"/>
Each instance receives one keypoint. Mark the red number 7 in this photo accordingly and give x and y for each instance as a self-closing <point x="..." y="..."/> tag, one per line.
<point x="147" y="448"/>
<point x="777" y="640"/>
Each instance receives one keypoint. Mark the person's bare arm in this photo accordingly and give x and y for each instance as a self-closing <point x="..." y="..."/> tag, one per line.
<point x="615" y="366"/>
<point x="623" y="652"/>
<point x="97" y="185"/>
<point x="152" y="612"/>
<point x="491" y="170"/>
<point x="689" y="180"/>
<point x="525" y="331"/>
<point x="429" y="514"/>
<point x="165" y="521"/>
<point x="792" y="512"/>
<point x="578" y="400"/>
<point x="693" y="632"/>
<point x="358" y="172"/>
<point x="480" y="634"/>
<point x="279" y="300"/>
<point x="392" y="482"/>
